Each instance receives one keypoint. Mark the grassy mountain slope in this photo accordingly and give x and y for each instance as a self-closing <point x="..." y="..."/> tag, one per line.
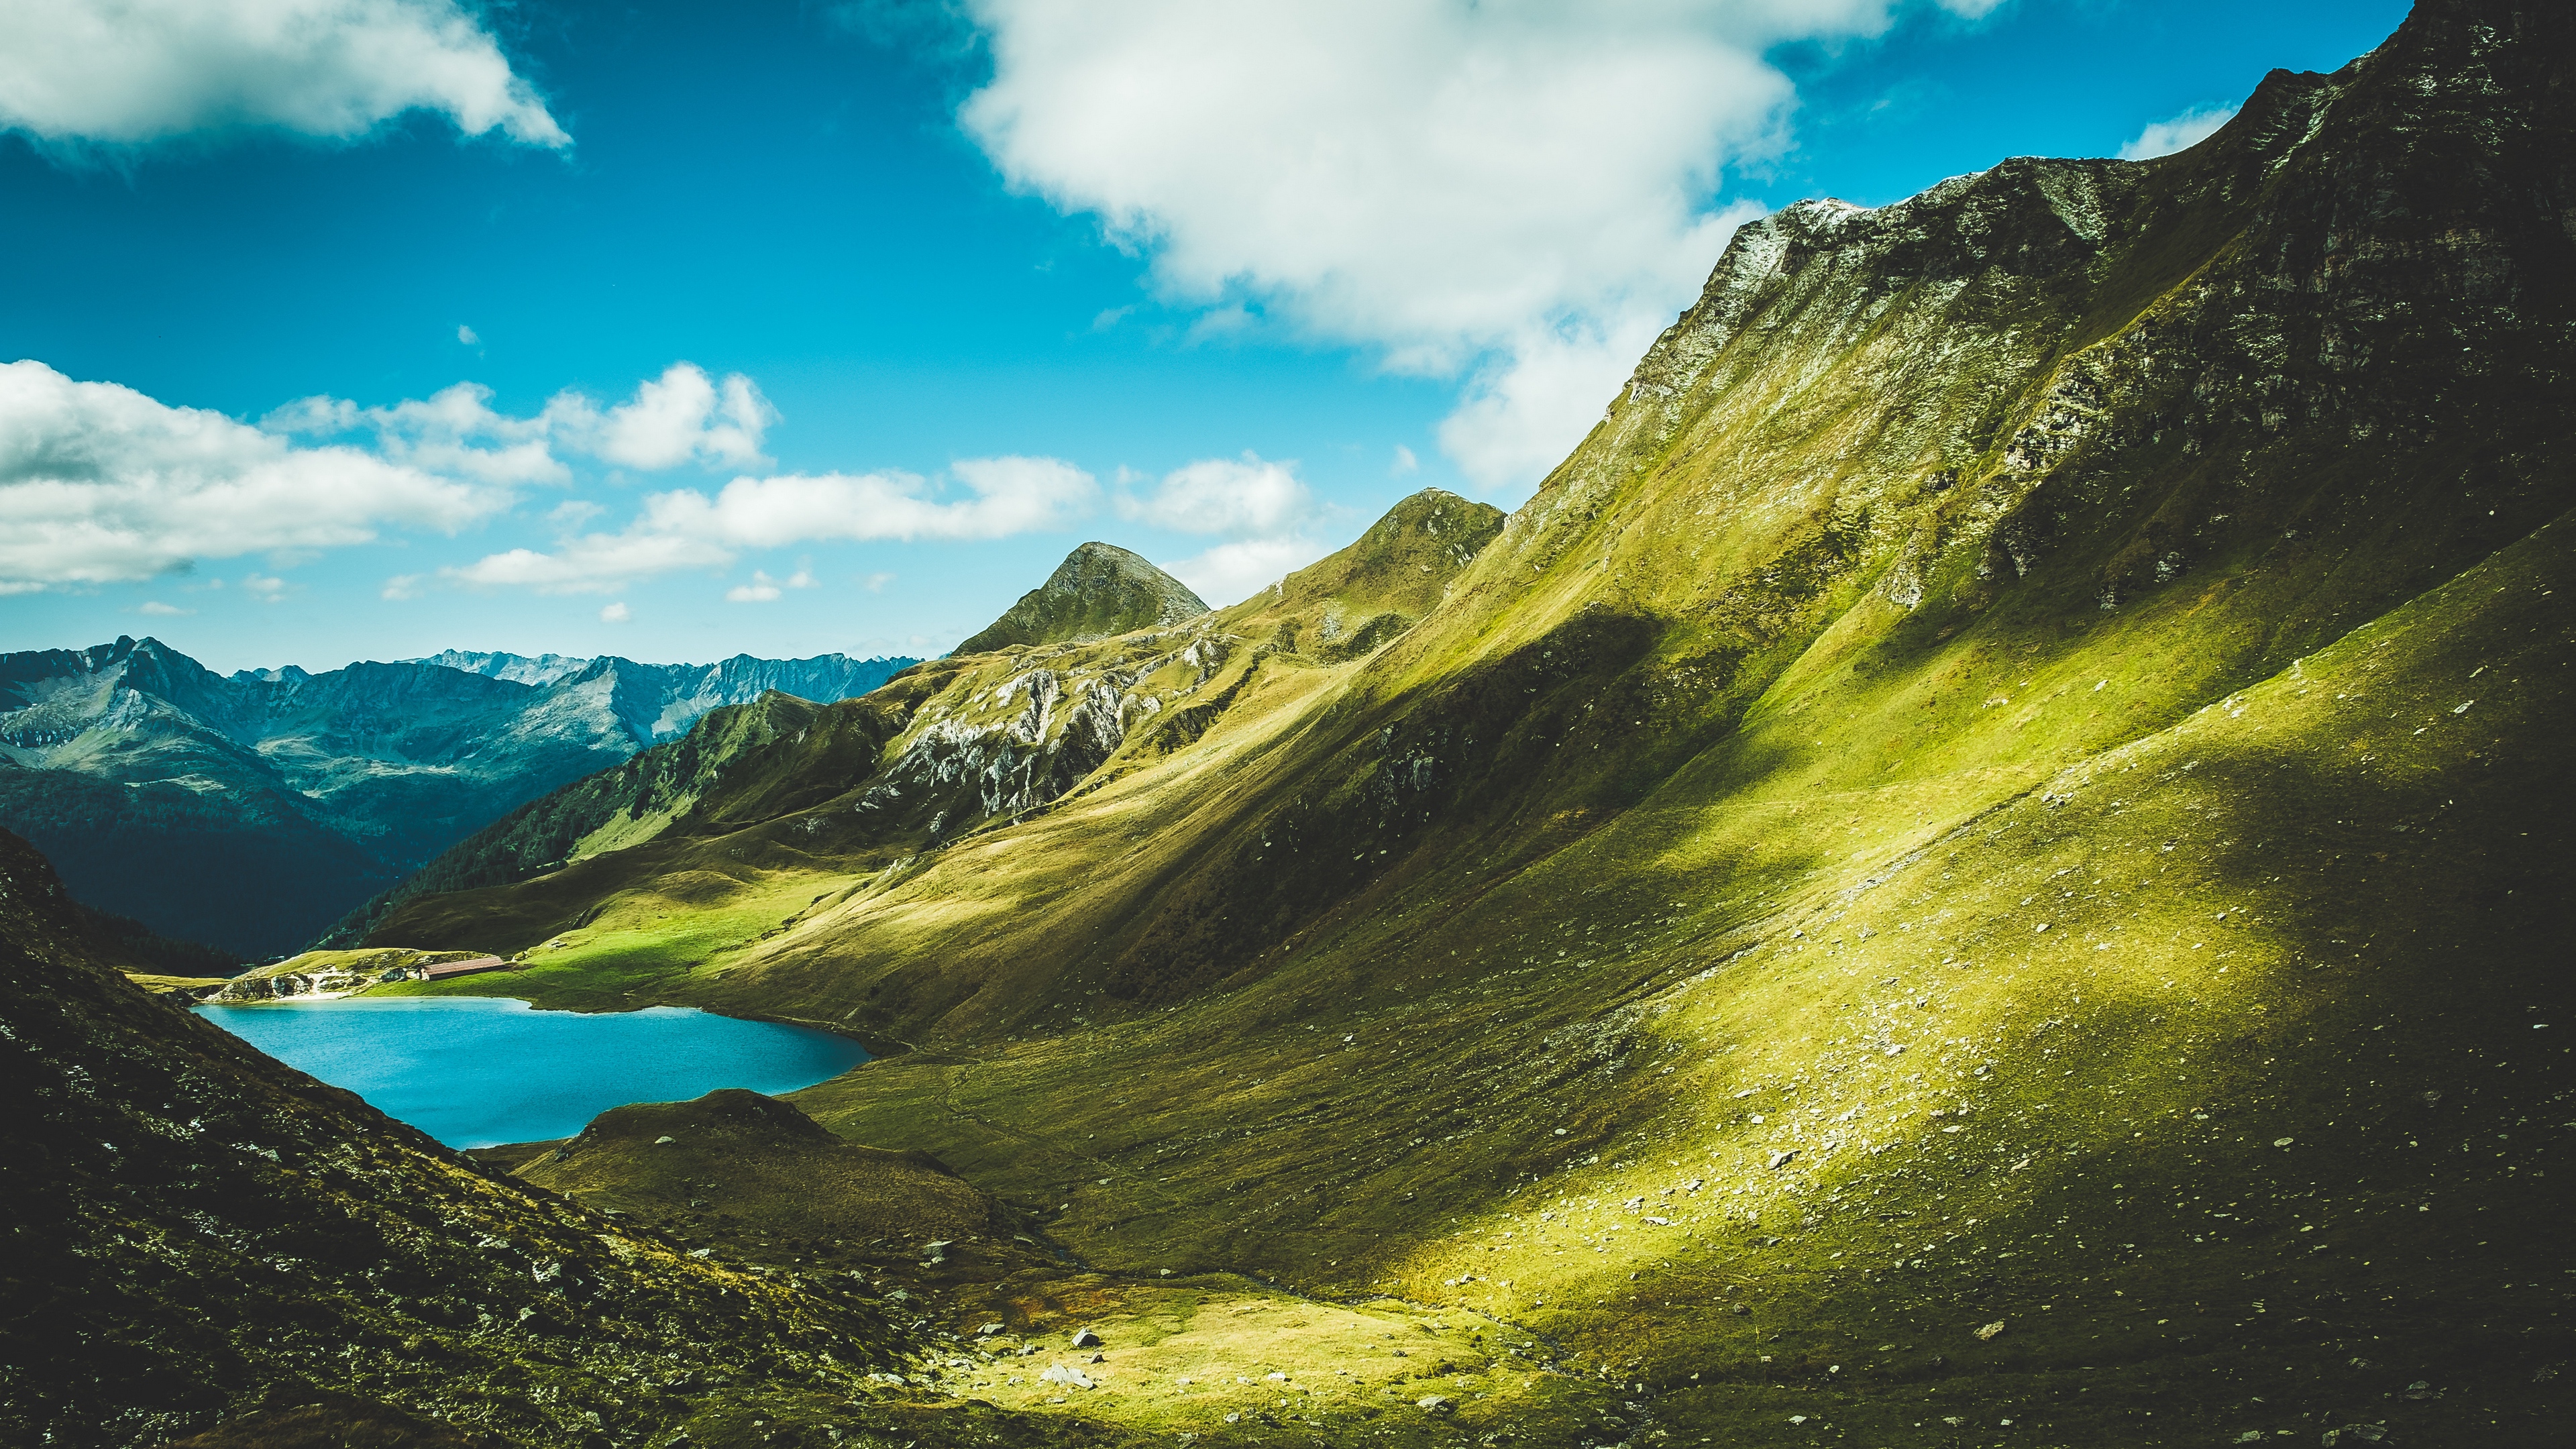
<point x="2016" y="779"/>
<point x="942" y="751"/>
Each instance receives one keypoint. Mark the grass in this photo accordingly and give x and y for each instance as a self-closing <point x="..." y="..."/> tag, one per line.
<point x="1969" y="802"/>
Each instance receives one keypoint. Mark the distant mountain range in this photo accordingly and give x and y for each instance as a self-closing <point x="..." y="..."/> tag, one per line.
<point x="250" y="811"/>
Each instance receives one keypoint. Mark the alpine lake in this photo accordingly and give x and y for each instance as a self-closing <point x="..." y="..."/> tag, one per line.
<point x="479" y="1071"/>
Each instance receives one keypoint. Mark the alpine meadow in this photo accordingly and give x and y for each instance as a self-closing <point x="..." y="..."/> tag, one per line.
<point x="1985" y="863"/>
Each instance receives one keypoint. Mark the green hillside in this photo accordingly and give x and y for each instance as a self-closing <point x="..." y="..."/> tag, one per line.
<point x="1983" y="864"/>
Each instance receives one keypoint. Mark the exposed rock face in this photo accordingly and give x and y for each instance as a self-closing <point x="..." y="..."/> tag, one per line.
<point x="1098" y="590"/>
<point x="202" y="1233"/>
<point x="251" y="810"/>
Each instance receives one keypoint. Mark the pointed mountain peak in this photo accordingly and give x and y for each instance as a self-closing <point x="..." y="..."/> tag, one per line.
<point x="1098" y="590"/>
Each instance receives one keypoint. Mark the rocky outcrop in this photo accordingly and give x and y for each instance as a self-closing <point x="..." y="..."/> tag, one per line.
<point x="1098" y="590"/>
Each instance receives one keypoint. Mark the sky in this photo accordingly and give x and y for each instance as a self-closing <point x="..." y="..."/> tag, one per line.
<point x="361" y="329"/>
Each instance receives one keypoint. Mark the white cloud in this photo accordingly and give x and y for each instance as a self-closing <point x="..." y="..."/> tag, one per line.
<point x="400" y="586"/>
<point x="762" y="588"/>
<point x="876" y="583"/>
<point x="683" y="416"/>
<point x="594" y="563"/>
<point x="1010" y="495"/>
<point x="268" y="589"/>
<point x="1448" y="184"/>
<point x="160" y="610"/>
<point x="99" y="483"/>
<point x="2177" y="133"/>
<point x="1232" y="572"/>
<point x="685" y="529"/>
<point x="1224" y="495"/>
<point x="616" y="613"/>
<point x="128" y="72"/>
<point x="1404" y="463"/>
<point x="466" y="335"/>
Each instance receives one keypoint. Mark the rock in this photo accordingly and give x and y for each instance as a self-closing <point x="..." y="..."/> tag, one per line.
<point x="2356" y="1434"/>
<point x="1435" y="1403"/>
<point x="665" y="1137"/>
<point x="1067" y="1375"/>
<point x="1085" y="1338"/>
<point x="1990" y="1331"/>
<point x="1780" y="1157"/>
<point x="988" y="1330"/>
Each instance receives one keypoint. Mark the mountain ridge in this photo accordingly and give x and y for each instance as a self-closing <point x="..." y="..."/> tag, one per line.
<point x="1958" y="861"/>
<point x="251" y="810"/>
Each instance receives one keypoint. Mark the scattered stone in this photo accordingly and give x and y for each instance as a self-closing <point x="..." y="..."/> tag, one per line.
<point x="1989" y="1332"/>
<point x="665" y="1137"/>
<point x="1782" y="1156"/>
<point x="1435" y="1403"/>
<point x="1099" y="1358"/>
<point x="1067" y="1375"/>
<point x="988" y="1330"/>
<point x="1085" y="1338"/>
<point x="2356" y="1434"/>
<point x="2420" y="1389"/>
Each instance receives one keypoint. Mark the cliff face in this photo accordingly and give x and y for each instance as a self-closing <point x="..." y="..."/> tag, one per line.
<point x="1098" y="590"/>
<point x="252" y="810"/>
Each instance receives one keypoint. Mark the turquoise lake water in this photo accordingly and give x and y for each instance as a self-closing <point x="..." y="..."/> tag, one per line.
<point x="476" y="1071"/>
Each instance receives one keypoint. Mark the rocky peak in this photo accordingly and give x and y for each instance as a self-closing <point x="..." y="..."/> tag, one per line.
<point x="1098" y="590"/>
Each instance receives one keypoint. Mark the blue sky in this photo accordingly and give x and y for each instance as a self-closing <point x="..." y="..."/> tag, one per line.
<point x="792" y="328"/>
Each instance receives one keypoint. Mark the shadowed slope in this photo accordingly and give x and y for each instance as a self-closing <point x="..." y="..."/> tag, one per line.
<point x="2012" y="781"/>
<point x="206" y="1236"/>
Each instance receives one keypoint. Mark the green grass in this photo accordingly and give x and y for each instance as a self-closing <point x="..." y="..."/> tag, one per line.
<point x="2173" y="802"/>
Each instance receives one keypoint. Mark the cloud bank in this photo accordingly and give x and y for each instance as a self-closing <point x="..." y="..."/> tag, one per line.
<point x="131" y="72"/>
<point x="682" y="417"/>
<point x="101" y="484"/>
<point x="1262" y="507"/>
<point x="1516" y="191"/>
<point x="686" y="529"/>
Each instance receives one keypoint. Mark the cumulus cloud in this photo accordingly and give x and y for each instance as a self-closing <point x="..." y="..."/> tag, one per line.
<point x="2177" y="133"/>
<point x="1453" y="185"/>
<point x="686" y="529"/>
<point x="128" y="72"/>
<point x="101" y="484"/>
<point x="1232" y="572"/>
<point x="1261" y="504"/>
<point x="616" y="613"/>
<point x="1223" y="495"/>
<point x="683" y="416"/>
<point x="159" y="610"/>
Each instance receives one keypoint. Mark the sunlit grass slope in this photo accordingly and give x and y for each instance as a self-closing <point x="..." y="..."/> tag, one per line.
<point x="1991" y="847"/>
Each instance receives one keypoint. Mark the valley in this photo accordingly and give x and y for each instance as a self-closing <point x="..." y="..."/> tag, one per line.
<point x="1984" y="864"/>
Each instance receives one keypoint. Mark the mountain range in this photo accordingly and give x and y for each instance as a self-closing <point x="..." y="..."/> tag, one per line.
<point x="251" y="810"/>
<point x="1983" y="864"/>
